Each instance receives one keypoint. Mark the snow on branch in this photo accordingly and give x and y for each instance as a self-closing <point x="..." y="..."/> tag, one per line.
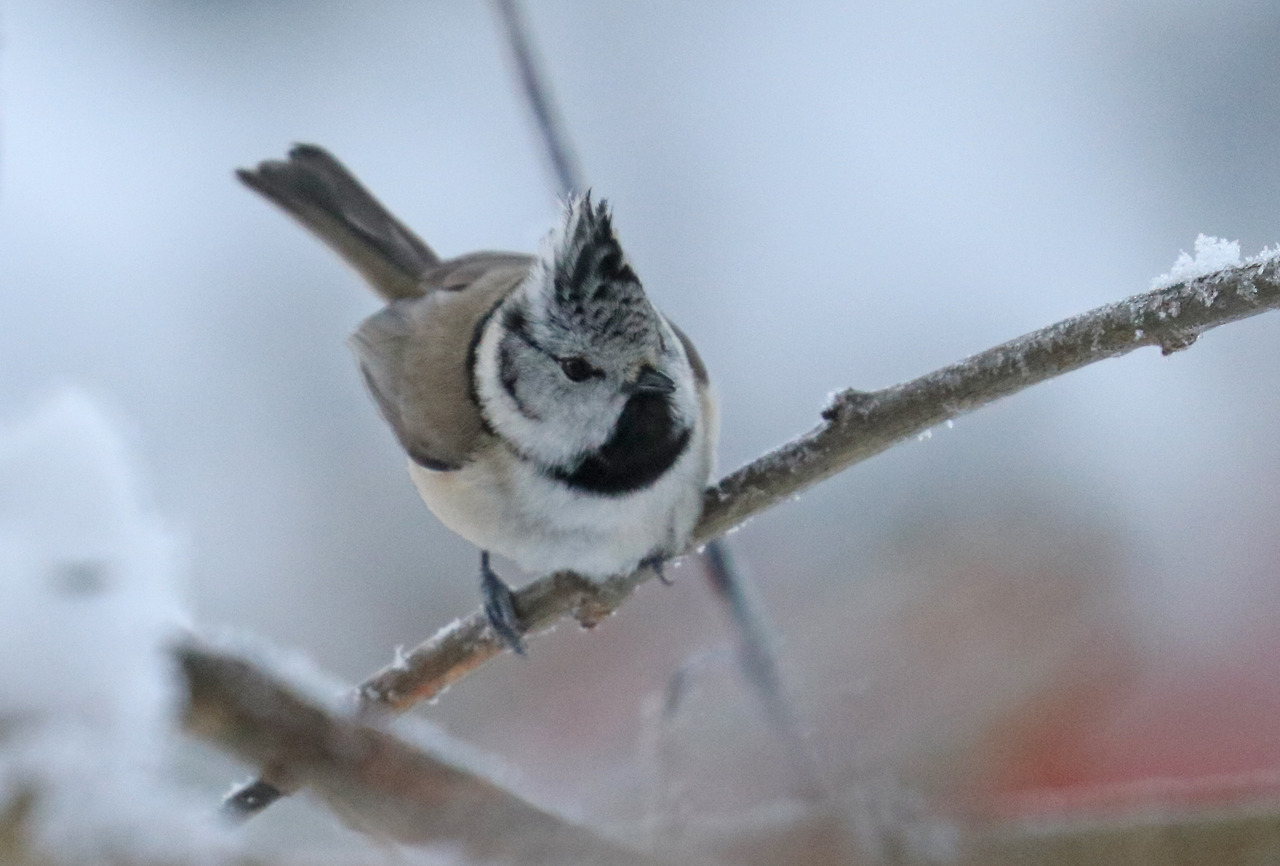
<point x="855" y="426"/>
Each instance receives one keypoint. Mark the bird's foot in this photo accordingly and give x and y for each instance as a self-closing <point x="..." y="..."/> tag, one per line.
<point x="499" y="606"/>
<point x="656" y="563"/>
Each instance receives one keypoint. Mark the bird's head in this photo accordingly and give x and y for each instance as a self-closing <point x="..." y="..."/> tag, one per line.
<point x="576" y="356"/>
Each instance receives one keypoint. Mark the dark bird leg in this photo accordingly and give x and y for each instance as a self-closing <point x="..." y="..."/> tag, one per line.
<point x="499" y="606"/>
<point x="251" y="799"/>
<point x="655" y="564"/>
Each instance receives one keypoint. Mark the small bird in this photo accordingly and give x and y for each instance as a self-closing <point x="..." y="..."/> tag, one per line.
<point x="550" y="413"/>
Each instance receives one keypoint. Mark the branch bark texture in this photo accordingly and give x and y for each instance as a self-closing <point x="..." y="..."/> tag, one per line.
<point x="855" y="426"/>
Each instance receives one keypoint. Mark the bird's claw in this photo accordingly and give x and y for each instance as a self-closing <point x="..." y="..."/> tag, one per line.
<point x="655" y="563"/>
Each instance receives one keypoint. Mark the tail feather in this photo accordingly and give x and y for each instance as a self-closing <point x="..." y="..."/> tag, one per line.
<point x="319" y="192"/>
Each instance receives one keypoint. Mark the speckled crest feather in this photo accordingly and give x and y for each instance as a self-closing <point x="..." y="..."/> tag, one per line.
<point x="593" y="288"/>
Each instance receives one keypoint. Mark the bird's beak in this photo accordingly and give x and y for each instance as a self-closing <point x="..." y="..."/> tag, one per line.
<point x="650" y="381"/>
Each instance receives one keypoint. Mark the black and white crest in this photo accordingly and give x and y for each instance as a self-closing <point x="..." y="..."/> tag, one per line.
<point x="594" y="289"/>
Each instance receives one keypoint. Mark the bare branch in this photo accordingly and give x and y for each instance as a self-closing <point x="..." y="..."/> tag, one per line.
<point x="856" y="425"/>
<point x="375" y="780"/>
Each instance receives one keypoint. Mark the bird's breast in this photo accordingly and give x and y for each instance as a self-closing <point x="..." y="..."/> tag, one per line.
<point x="507" y="505"/>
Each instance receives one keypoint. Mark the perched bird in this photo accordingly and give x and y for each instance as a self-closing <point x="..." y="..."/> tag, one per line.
<point x="550" y="413"/>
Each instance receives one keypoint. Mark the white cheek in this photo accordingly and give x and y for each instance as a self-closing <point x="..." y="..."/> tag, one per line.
<point x="568" y="422"/>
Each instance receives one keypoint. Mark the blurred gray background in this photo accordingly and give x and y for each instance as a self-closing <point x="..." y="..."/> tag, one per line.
<point x="823" y="194"/>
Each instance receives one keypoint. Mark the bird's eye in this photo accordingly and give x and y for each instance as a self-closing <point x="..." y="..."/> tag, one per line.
<point x="577" y="369"/>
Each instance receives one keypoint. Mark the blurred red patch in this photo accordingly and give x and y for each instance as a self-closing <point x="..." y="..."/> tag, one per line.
<point x="1112" y="739"/>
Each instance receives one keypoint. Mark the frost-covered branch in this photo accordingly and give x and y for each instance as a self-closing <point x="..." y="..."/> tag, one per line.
<point x="377" y="781"/>
<point x="855" y="426"/>
<point x="860" y="424"/>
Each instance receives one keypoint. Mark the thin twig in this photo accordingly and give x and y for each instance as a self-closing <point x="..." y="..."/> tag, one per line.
<point x="855" y="426"/>
<point x="757" y="656"/>
<point x="555" y="141"/>
<point x="758" y="659"/>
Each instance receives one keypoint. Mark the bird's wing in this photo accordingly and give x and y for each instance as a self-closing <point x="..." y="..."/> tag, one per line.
<point x="417" y="356"/>
<point x="319" y="192"/>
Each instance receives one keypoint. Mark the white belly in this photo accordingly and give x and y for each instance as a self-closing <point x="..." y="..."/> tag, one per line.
<point x="500" y="504"/>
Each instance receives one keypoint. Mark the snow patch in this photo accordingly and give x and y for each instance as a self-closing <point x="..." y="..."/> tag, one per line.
<point x="401" y="660"/>
<point x="1212" y="255"/>
<point x="86" y="599"/>
<point x="1266" y="257"/>
<point x="87" y="606"/>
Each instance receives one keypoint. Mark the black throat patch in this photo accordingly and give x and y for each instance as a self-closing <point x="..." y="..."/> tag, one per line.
<point x="645" y="443"/>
